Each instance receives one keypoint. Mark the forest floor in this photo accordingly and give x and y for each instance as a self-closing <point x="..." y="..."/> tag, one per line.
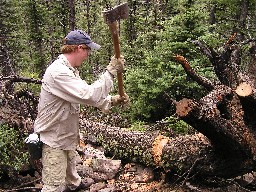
<point x="131" y="179"/>
<point x="29" y="183"/>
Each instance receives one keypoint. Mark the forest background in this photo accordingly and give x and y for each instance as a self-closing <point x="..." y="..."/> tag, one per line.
<point x="31" y="34"/>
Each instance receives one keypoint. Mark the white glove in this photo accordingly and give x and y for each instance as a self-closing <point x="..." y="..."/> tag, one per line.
<point x="118" y="100"/>
<point x="116" y="65"/>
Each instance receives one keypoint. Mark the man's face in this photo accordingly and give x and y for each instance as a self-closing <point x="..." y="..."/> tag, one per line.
<point x="83" y="53"/>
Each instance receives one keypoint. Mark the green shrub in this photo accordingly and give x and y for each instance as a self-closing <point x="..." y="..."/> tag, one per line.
<point x="138" y="126"/>
<point x="178" y="126"/>
<point x="12" y="153"/>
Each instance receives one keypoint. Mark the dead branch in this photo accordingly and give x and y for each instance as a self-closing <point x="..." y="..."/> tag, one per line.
<point x="15" y="78"/>
<point x="188" y="69"/>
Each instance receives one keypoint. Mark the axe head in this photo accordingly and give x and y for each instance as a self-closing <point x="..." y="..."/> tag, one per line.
<point x="118" y="12"/>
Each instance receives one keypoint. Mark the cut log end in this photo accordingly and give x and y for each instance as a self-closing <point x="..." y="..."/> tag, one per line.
<point x="244" y="90"/>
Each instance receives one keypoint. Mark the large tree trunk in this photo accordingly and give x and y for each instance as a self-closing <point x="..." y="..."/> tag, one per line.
<point x="185" y="155"/>
<point x="227" y="114"/>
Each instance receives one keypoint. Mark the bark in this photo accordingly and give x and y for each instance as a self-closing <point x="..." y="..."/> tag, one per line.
<point x="212" y="17"/>
<point x="226" y="115"/>
<point x="242" y="17"/>
<point x="185" y="155"/>
<point x="146" y="147"/>
<point x="7" y="66"/>
<point x="72" y="18"/>
<point x="88" y="5"/>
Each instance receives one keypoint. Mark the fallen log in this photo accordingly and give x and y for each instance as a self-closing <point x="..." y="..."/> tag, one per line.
<point x="209" y="118"/>
<point x="227" y="114"/>
<point x="186" y="154"/>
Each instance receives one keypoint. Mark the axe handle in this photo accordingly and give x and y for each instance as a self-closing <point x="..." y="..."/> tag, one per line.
<point x="115" y="38"/>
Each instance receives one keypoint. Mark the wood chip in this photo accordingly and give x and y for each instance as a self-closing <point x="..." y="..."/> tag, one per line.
<point x="157" y="148"/>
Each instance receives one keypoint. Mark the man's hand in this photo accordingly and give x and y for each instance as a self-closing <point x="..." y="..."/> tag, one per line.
<point x="116" y="65"/>
<point x="118" y="100"/>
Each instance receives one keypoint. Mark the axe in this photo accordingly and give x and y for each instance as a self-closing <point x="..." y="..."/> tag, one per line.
<point x="112" y="17"/>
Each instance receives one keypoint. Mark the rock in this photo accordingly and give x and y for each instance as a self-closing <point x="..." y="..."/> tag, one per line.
<point x="144" y="176"/>
<point x="91" y="152"/>
<point x="97" y="186"/>
<point x="107" y="166"/>
<point x="130" y="167"/>
<point x="137" y="173"/>
<point x="86" y="171"/>
<point x="245" y="179"/>
<point x="99" y="169"/>
<point x="112" y="189"/>
<point x="88" y="181"/>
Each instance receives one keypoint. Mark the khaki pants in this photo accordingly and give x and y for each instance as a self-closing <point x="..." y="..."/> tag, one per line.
<point x="59" y="170"/>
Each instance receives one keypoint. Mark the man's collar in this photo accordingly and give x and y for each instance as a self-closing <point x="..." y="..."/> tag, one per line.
<point x="66" y="62"/>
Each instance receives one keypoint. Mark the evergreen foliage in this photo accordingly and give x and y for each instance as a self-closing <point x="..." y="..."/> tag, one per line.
<point x="155" y="72"/>
<point x="154" y="32"/>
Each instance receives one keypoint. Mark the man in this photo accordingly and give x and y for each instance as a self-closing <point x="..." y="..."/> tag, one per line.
<point x="57" y="122"/>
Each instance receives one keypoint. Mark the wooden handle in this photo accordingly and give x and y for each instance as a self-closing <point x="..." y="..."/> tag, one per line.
<point x="115" y="38"/>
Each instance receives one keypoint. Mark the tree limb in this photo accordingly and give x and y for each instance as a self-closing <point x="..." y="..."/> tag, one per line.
<point x="188" y="69"/>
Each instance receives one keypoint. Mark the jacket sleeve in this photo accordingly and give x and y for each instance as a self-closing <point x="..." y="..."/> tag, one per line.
<point x="75" y="90"/>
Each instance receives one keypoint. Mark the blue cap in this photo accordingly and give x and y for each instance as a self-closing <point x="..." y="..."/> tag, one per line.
<point x="78" y="37"/>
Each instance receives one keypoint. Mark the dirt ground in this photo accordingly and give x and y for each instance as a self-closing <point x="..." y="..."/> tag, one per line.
<point x="124" y="181"/>
<point x="131" y="177"/>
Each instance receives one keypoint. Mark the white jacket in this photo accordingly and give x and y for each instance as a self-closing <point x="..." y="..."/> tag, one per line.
<point x="62" y="92"/>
